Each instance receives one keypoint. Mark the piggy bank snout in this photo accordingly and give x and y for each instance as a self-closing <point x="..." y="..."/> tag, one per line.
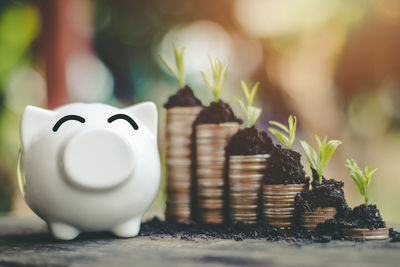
<point x="98" y="159"/>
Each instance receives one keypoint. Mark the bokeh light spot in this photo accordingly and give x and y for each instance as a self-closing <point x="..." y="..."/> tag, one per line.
<point x="88" y="79"/>
<point x="270" y="18"/>
<point x="25" y="87"/>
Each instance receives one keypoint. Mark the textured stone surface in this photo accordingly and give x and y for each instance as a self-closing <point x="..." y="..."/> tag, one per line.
<point x="26" y="242"/>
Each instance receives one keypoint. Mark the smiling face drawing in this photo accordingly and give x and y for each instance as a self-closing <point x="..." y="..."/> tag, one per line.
<point x="82" y="120"/>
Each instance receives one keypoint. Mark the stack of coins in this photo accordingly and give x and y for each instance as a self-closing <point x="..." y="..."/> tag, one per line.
<point x="179" y="161"/>
<point x="278" y="203"/>
<point x="245" y="183"/>
<point x="365" y="234"/>
<point x="211" y="140"/>
<point x="310" y="219"/>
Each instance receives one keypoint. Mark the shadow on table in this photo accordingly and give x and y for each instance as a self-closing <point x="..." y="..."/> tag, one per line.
<point x="45" y="238"/>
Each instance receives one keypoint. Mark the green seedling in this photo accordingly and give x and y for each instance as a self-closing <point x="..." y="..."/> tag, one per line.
<point x="325" y="149"/>
<point x="252" y="112"/>
<point x="179" y="74"/>
<point x="218" y="79"/>
<point x="360" y="178"/>
<point x="288" y="138"/>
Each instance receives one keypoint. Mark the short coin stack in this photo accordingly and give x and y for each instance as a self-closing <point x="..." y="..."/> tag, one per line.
<point x="211" y="140"/>
<point x="179" y="161"/>
<point x="310" y="219"/>
<point x="245" y="183"/>
<point x="365" y="234"/>
<point x="278" y="203"/>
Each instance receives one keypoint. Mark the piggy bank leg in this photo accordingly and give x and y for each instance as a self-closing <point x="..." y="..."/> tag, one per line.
<point x="63" y="231"/>
<point x="128" y="229"/>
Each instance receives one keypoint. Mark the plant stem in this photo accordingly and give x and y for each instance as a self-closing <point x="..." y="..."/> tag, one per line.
<point x="181" y="83"/>
<point x="216" y="96"/>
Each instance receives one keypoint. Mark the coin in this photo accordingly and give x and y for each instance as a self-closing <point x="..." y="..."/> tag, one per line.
<point x="366" y="234"/>
<point x="278" y="203"/>
<point x="310" y="219"/>
<point x="245" y="175"/>
<point x="211" y="140"/>
<point x="178" y="161"/>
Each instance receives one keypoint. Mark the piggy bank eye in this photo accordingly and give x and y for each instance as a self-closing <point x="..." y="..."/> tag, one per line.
<point x="123" y="117"/>
<point x="67" y="118"/>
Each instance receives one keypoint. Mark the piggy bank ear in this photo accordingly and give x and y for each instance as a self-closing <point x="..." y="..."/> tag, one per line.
<point x="32" y="122"/>
<point x="146" y="112"/>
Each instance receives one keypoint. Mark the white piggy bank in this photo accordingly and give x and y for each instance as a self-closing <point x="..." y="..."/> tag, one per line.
<point x="90" y="167"/>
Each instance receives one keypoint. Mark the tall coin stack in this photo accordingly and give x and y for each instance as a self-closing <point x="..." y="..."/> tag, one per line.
<point x="211" y="140"/>
<point x="179" y="161"/>
<point x="245" y="183"/>
<point x="278" y="203"/>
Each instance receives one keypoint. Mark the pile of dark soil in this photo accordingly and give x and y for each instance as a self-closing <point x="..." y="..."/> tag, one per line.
<point x="249" y="141"/>
<point x="183" y="98"/>
<point x="360" y="217"/>
<point x="284" y="167"/>
<point x="188" y="231"/>
<point x="327" y="194"/>
<point x="332" y="228"/>
<point x="217" y="112"/>
<point x="364" y="217"/>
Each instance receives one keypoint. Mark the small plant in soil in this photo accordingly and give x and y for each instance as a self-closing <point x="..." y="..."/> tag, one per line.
<point x="326" y="198"/>
<point x="285" y="166"/>
<point x="249" y="140"/>
<point x="218" y="111"/>
<point x="252" y="112"/>
<point x="362" y="179"/>
<point x="218" y="78"/>
<point x="184" y="97"/>
<point x="287" y="134"/>
<point x="179" y="74"/>
<point x="365" y="215"/>
<point x="326" y="149"/>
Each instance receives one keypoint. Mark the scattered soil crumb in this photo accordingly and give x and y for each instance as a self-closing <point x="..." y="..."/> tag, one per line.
<point x="190" y="231"/>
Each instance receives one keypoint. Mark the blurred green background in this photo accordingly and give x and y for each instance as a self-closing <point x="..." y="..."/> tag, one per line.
<point x="334" y="63"/>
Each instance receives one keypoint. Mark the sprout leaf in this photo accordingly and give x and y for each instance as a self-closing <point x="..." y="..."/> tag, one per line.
<point x="288" y="138"/>
<point x="311" y="155"/>
<point x="282" y="137"/>
<point x="362" y="180"/>
<point x="325" y="151"/>
<point x="219" y="76"/>
<point x="180" y="74"/>
<point x="252" y="112"/>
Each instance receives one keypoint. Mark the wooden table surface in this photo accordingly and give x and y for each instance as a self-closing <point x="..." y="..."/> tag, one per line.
<point x="26" y="242"/>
